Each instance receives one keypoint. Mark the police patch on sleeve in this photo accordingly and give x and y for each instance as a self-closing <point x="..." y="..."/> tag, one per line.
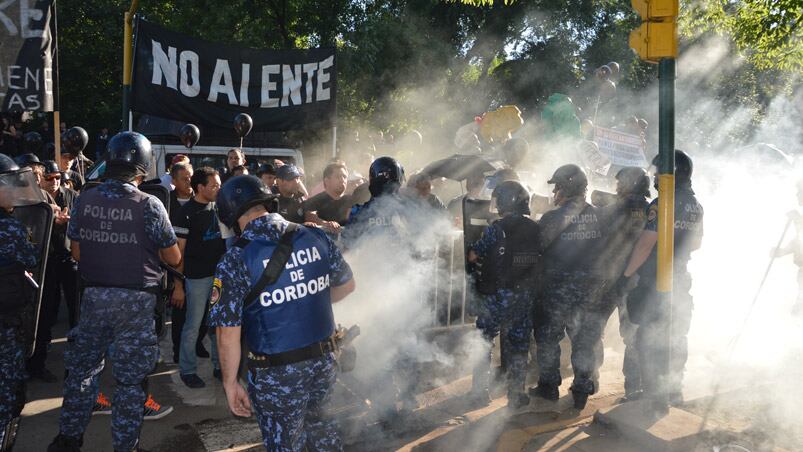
<point x="652" y="215"/>
<point x="217" y="290"/>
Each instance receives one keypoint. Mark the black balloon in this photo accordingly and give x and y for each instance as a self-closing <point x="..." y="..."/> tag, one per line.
<point x="32" y="142"/>
<point x="75" y="140"/>
<point x="189" y="135"/>
<point x="243" y="124"/>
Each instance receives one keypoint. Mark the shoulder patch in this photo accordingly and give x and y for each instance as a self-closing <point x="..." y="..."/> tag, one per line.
<point x="653" y="214"/>
<point x="217" y="291"/>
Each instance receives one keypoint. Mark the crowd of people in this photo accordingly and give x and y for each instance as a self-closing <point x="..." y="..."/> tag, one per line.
<point x="262" y="259"/>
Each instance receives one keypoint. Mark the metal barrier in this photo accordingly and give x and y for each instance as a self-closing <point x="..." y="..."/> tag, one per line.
<point x="451" y="294"/>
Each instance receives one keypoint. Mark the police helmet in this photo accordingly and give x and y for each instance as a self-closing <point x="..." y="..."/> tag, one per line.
<point x="32" y="142"/>
<point x="386" y="175"/>
<point x="511" y="197"/>
<point x="27" y="160"/>
<point x="132" y="150"/>
<point x="632" y="180"/>
<point x="239" y="194"/>
<point x="683" y="166"/>
<point x="571" y="179"/>
<point x="7" y="164"/>
<point x="18" y="186"/>
<point x="51" y="167"/>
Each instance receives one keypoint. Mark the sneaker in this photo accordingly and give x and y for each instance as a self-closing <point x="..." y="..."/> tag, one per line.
<point x="200" y="351"/>
<point x="43" y="375"/>
<point x="545" y="392"/>
<point x="154" y="410"/>
<point x="102" y="405"/>
<point x="218" y="374"/>
<point x="193" y="381"/>
<point x="580" y="400"/>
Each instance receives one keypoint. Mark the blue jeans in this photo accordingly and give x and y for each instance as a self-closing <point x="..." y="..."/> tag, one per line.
<point x="197" y="298"/>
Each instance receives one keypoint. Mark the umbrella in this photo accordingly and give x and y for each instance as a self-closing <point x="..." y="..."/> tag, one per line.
<point x="459" y="167"/>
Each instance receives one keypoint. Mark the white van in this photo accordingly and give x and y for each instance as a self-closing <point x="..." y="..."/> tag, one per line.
<point x="214" y="156"/>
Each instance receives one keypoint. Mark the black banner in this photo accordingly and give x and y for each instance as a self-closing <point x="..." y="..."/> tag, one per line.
<point x="206" y="83"/>
<point x="27" y="48"/>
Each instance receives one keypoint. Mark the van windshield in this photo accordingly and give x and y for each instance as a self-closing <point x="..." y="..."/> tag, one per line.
<point x="219" y="161"/>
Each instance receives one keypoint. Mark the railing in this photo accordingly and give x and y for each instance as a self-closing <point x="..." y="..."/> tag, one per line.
<point x="451" y="293"/>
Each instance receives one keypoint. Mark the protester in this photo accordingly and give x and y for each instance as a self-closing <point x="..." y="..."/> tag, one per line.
<point x="166" y="180"/>
<point x="202" y="245"/>
<point x="330" y="208"/>
<point x="267" y="174"/>
<point x="234" y="158"/>
<point x="291" y="199"/>
<point x="239" y="170"/>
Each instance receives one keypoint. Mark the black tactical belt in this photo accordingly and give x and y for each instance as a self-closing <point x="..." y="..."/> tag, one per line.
<point x="315" y="350"/>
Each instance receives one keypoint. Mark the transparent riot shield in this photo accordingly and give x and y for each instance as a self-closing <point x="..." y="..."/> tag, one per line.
<point x="38" y="219"/>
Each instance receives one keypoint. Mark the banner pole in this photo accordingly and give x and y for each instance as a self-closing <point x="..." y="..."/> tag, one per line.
<point x="128" y="55"/>
<point x="334" y="141"/>
<point x="57" y="137"/>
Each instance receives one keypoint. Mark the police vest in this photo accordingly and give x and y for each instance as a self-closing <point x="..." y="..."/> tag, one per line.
<point x="622" y="224"/>
<point x="513" y="261"/>
<point x="115" y="249"/>
<point x="575" y="234"/>
<point x="296" y="311"/>
<point x="15" y="292"/>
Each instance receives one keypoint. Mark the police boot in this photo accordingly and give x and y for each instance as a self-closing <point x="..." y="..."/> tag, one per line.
<point x="516" y="374"/>
<point x="481" y="380"/>
<point x="63" y="443"/>
<point x="580" y="399"/>
<point x="8" y="434"/>
<point x="548" y="392"/>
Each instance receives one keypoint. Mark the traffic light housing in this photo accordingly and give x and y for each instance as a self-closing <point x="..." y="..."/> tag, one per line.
<point x="656" y="37"/>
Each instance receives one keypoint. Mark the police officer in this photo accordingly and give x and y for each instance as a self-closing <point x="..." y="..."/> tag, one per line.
<point x="17" y="254"/>
<point x="643" y="305"/>
<point x="61" y="273"/>
<point x="510" y="253"/>
<point x="287" y="325"/>
<point x="385" y="213"/>
<point x="571" y="236"/>
<point x="622" y="223"/>
<point x="118" y="236"/>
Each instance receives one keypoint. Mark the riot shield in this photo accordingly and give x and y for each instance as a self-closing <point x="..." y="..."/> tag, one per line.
<point x="476" y="217"/>
<point x="38" y="219"/>
<point x="162" y="194"/>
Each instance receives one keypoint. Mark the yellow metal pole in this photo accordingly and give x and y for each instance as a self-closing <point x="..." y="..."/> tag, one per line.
<point x="666" y="231"/>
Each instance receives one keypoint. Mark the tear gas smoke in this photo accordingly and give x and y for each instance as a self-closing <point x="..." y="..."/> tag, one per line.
<point x="746" y="194"/>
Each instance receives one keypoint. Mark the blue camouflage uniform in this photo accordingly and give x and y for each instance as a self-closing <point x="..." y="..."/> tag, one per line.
<point x="115" y="320"/>
<point x="622" y="223"/>
<point x="290" y="400"/>
<point x="385" y="224"/>
<point x="15" y="249"/>
<point x="508" y="310"/>
<point x="652" y="316"/>
<point x="572" y="236"/>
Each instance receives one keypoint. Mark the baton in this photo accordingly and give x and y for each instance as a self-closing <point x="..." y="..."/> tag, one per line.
<point x="31" y="281"/>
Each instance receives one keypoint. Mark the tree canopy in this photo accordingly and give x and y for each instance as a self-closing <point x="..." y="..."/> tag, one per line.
<point x="407" y="64"/>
